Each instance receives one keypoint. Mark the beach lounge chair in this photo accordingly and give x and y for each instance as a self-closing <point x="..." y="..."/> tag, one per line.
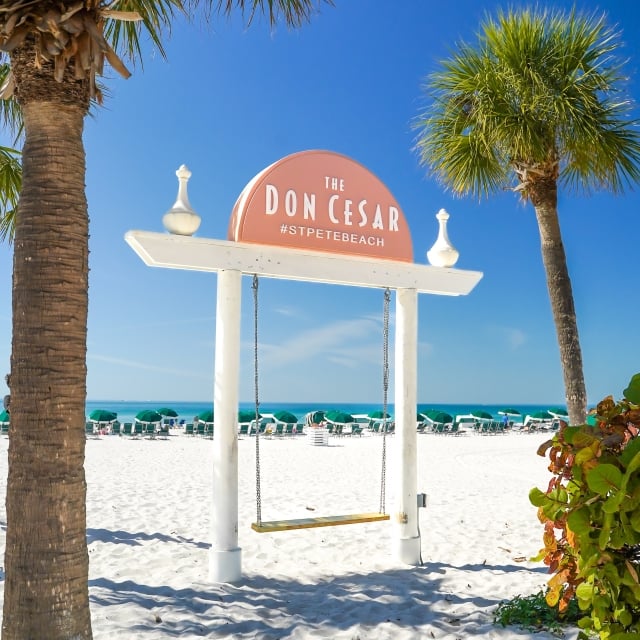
<point x="188" y="429"/>
<point x="243" y="429"/>
<point x="149" y="430"/>
<point x="90" y="429"/>
<point x="208" y="431"/>
<point x="455" y="430"/>
<point x="126" y="429"/>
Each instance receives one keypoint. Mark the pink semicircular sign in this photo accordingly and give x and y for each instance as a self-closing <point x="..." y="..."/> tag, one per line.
<point x="321" y="201"/>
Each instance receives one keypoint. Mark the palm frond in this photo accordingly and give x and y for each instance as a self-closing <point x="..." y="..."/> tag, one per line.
<point x="539" y="89"/>
<point x="10" y="114"/>
<point x="156" y="16"/>
<point x="294" y="13"/>
<point x="10" y="185"/>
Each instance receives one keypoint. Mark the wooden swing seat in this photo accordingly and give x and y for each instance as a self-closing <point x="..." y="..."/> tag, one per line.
<point x="320" y="521"/>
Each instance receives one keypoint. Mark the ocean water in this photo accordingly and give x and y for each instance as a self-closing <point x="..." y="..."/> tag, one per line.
<point x="127" y="411"/>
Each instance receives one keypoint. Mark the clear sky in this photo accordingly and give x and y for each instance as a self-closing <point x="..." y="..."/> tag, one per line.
<point x="232" y="100"/>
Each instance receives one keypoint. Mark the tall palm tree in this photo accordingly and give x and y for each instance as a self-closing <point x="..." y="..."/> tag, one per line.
<point x="57" y="50"/>
<point x="538" y="103"/>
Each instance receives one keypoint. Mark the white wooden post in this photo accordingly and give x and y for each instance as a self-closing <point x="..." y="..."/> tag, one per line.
<point x="406" y="536"/>
<point x="225" y="563"/>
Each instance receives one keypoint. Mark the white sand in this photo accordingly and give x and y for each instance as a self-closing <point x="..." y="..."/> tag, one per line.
<point x="148" y="510"/>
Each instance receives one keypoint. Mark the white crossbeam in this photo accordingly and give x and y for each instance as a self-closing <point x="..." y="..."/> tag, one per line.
<point x="205" y="254"/>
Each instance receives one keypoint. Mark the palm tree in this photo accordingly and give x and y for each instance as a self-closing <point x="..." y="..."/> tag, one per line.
<point x="538" y="103"/>
<point x="57" y="50"/>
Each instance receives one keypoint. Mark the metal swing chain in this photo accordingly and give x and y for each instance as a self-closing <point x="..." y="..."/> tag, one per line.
<point x="254" y="286"/>
<point x="385" y="392"/>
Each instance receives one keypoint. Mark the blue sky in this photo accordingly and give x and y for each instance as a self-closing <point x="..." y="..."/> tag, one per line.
<point x="230" y="101"/>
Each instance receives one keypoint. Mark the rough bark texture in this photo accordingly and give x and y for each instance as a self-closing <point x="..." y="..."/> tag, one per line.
<point x="46" y="559"/>
<point x="544" y="199"/>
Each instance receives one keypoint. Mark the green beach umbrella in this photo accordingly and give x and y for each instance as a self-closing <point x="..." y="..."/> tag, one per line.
<point x="4" y="417"/>
<point x="167" y="412"/>
<point x="285" y="416"/>
<point x="433" y="415"/>
<point x="102" y="415"/>
<point x="148" y="416"/>
<point x="558" y="412"/>
<point x="483" y="415"/>
<point x="316" y="417"/>
<point x="206" y="416"/>
<point x="509" y="411"/>
<point x="340" y="417"/>
<point x="378" y="415"/>
<point x="247" y="416"/>
<point x="541" y="415"/>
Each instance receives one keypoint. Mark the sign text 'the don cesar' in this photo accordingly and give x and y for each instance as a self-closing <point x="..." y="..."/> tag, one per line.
<point x="322" y="201"/>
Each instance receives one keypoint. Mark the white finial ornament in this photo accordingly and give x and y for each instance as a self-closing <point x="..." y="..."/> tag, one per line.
<point x="181" y="219"/>
<point x="443" y="253"/>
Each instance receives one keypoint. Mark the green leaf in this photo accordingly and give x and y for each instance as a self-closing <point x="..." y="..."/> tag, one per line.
<point x="632" y="392"/>
<point x="579" y="521"/>
<point x="605" y="532"/>
<point x="586" y="454"/>
<point x="634" y="520"/>
<point x="631" y="536"/>
<point x="559" y="495"/>
<point x="613" y="502"/>
<point x="582" y="438"/>
<point x="584" y="591"/>
<point x="569" y="434"/>
<point x="634" y="465"/>
<point x="630" y="452"/>
<point x="610" y="572"/>
<point x="623" y="616"/>
<point x="537" y="497"/>
<point x="625" y="635"/>
<point x="617" y="539"/>
<point x="604" y="478"/>
<point x="603" y="538"/>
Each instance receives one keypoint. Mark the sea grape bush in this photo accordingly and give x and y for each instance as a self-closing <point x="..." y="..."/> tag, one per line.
<point x="591" y="516"/>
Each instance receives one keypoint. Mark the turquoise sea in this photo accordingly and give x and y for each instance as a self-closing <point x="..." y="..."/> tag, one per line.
<point x="187" y="410"/>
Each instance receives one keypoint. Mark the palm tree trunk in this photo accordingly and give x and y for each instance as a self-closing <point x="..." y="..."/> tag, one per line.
<point x="46" y="559"/>
<point x="562" y="307"/>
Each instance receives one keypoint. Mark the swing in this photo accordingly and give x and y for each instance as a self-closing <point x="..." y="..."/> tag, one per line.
<point x="261" y="526"/>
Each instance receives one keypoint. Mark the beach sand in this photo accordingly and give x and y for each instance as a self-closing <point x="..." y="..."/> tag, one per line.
<point x="148" y="506"/>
